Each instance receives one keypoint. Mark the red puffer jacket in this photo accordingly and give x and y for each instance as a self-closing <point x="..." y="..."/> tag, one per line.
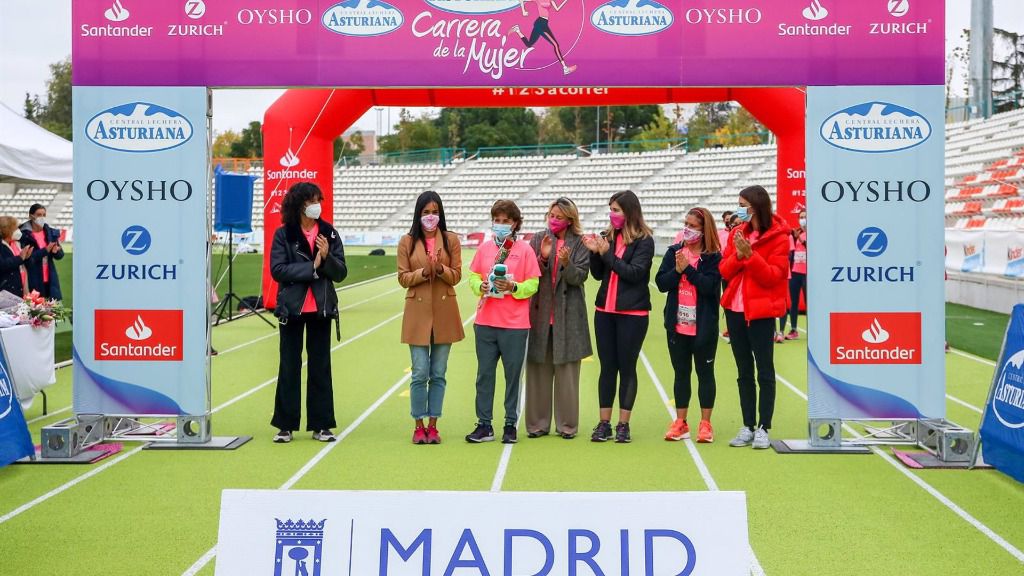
<point x="762" y="276"/>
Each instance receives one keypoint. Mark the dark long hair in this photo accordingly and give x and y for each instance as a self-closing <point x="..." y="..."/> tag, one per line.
<point x="295" y="201"/>
<point x="635" y="227"/>
<point x="760" y="206"/>
<point x="416" y="231"/>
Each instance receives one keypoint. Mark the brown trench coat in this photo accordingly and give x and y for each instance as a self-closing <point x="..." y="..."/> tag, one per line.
<point x="430" y="305"/>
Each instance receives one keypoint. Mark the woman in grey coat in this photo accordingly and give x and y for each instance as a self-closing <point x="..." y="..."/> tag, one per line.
<point x="559" y="330"/>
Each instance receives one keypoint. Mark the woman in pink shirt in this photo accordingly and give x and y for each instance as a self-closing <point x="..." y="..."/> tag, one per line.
<point x="797" y="277"/>
<point x="621" y="259"/>
<point x="690" y="278"/>
<point x="504" y="275"/>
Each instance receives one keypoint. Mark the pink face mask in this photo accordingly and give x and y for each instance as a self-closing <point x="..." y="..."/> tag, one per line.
<point x="429" y="222"/>
<point x="557" y="226"/>
<point x="618" y="220"/>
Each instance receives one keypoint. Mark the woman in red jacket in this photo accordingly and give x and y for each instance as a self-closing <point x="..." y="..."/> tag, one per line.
<point x="756" y="265"/>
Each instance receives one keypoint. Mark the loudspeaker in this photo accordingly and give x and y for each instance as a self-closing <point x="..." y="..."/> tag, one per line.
<point x="233" y="208"/>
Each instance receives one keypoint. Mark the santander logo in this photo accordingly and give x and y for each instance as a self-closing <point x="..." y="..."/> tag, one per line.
<point x="816" y="11"/>
<point x="875" y="334"/>
<point x="138" y="331"/>
<point x="290" y="160"/>
<point x="117" y="12"/>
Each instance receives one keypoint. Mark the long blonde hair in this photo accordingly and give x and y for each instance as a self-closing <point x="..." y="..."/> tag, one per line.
<point x="710" y="238"/>
<point x="635" y="227"/>
<point x="569" y="210"/>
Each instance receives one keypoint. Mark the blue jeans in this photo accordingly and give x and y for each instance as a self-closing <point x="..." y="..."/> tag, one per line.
<point x="429" y="363"/>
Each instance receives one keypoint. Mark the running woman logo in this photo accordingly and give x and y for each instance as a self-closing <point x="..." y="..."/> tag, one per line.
<point x="138" y="335"/>
<point x="117" y="12"/>
<point x="816" y="11"/>
<point x="899" y="8"/>
<point x="632" y="17"/>
<point x="1008" y="399"/>
<point x="362" y="18"/>
<point x="875" y="337"/>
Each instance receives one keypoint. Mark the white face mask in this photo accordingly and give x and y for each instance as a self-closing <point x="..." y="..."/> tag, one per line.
<point x="803" y="222"/>
<point x="40" y="221"/>
<point x="313" y="211"/>
<point x="17" y="235"/>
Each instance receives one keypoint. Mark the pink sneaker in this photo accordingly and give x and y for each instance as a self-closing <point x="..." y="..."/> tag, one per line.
<point x="705" y="433"/>
<point x="433" y="437"/>
<point x="420" y="435"/>
<point x="792" y="335"/>
<point x="679" y="430"/>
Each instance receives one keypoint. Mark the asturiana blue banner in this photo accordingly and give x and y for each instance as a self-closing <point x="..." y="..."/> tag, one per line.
<point x="141" y="272"/>
<point x="1002" y="426"/>
<point x="15" y="441"/>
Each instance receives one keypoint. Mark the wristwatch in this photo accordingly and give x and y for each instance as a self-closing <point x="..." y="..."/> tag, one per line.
<point x="515" y="287"/>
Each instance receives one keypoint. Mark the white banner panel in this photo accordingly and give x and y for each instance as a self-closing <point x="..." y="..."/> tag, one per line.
<point x="141" y="260"/>
<point x="998" y="252"/>
<point x="315" y="533"/>
<point x="875" y="187"/>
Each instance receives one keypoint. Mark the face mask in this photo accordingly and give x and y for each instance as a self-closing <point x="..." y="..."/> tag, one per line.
<point x="557" y="226"/>
<point x="743" y="214"/>
<point x="690" y="235"/>
<point x="40" y="221"/>
<point x="803" y="222"/>
<point x="430" y="222"/>
<point x="501" y="231"/>
<point x="618" y="219"/>
<point x="312" y="211"/>
<point x="16" y="235"/>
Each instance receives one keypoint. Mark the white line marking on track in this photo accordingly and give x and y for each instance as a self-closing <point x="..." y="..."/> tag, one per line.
<point x="123" y="457"/>
<point x="980" y="526"/>
<point x="212" y="552"/>
<point x="970" y="356"/>
<point x="506" y="452"/>
<point x="50" y="415"/>
<point x="755" y="565"/>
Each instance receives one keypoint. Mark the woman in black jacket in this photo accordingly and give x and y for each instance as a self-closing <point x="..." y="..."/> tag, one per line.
<point x="12" y="257"/>
<point x="621" y="259"/>
<point x="306" y="259"/>
<point x="689" y="275"/>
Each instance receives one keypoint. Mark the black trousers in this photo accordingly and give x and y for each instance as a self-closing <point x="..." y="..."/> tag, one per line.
<point x="319" y="389"/>
<point x="686" y="356"/>
<point x="797" y="283"/>
<point x="752" y="344"/>
<point x="619" y="340"/>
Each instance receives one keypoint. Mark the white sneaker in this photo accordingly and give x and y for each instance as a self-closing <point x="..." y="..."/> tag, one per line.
<point x="743" y="438"/>
<point x="761" y="439"/>
<point x="324" y="436"/>
<point x="283" y="437"/>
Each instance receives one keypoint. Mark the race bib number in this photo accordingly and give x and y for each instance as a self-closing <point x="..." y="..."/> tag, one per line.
<point x="800" y="257"/>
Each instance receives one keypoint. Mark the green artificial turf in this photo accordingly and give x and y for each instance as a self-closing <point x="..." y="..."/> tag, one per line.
<point x="808" y="515"/>
<point x="979" y="332"/>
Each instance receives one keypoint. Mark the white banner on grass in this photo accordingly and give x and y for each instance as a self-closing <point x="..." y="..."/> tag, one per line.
<point x="999" y="252"/>
<point x="482" y="533"/>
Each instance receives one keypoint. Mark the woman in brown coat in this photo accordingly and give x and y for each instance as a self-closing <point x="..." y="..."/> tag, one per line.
<point x="429" y="266"/>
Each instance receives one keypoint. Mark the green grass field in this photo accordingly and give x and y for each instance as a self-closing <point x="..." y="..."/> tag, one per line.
<point x="154" y="512"/>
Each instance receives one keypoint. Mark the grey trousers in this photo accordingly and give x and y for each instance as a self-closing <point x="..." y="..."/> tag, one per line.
<point x="565" y="393"/>
<point x="508" y="344"/>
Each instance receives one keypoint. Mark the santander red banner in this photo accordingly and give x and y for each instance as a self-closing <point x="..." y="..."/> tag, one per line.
<point x="369" y="43"/>
<point x="133" y="335"/>
<point x="875" y="337"/>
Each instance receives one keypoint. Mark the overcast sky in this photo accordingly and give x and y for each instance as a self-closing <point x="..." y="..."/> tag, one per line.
<point x="35" y="33"/>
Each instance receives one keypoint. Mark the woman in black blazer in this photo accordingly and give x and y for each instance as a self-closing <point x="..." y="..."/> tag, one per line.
<point x="12" y="257"/>
<point x="621" y="259"/>
<point x="689" y="275"/>
<point x="306" y="259"/>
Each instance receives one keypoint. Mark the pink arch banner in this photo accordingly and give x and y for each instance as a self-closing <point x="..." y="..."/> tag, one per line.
<point x="483" y="43"/>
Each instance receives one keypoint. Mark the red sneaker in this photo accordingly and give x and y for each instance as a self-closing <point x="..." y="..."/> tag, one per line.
<point x="705" y="434"/>
<point x="420" y="435"/>
<point x="432" y="435"/>
<point x="792" y="335"/>
<point x="678" y="430"/>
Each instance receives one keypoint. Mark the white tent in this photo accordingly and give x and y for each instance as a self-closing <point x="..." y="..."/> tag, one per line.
<point x="30" y="152"/>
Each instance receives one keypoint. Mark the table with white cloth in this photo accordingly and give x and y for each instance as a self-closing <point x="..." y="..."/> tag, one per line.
<point x="30" y="359"/>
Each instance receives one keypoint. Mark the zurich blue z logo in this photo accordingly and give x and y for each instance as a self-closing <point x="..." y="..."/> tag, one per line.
<point x="872" y="242"/>
<point x="136" y="240"/>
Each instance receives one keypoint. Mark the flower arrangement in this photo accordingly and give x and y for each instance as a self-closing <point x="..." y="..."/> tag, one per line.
<point x="39" y="311"/>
